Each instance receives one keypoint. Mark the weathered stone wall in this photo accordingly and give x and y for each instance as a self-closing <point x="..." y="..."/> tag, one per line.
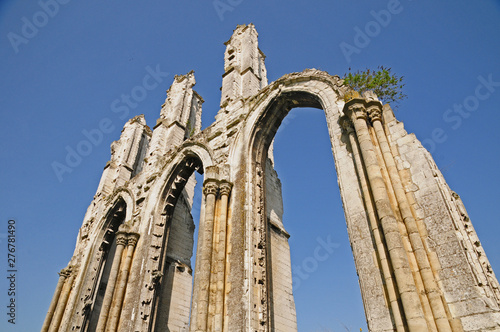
<point x="460" y="264"/>
<point x="282" y="304"/>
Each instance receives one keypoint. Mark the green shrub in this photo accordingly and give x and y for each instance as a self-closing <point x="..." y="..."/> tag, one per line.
<point x="387" y="86"/>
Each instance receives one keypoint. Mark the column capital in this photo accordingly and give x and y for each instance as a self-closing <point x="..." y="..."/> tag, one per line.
<point x="121" y="239"/>
<point x="225" y="188"/>
<point x="375" y="113"/>
<point x="357" y="111"/>
<point x="132" y="239"/>
<point x="210" y="187"/>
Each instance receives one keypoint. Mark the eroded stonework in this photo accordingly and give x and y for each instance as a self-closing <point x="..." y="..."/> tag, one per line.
<point x="421" y="266"/>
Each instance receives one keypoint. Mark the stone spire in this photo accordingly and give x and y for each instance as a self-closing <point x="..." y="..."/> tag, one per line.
<point x="244" y="70"/>
<point x="127" y="155"/>
<point x="180" y="117"/>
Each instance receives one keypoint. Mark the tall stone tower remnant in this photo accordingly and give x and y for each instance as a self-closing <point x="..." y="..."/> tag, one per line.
<point x="420" y="264"/>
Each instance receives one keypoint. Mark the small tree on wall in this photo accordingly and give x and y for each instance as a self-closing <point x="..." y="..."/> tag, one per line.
<point x="387" y="86"/>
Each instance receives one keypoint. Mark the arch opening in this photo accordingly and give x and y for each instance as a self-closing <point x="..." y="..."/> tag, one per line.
<point x="104" y="259"/>
<point x="324" y="281"/>
<point x="177" y="215"/>
<point x="265" y="128"/>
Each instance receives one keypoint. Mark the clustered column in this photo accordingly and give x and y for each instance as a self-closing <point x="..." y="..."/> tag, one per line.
<point x="376" y="231"/>
<point x="424" y="267"/>
<point x="117" y="281"/>
<point x="59" y="300"/>
<point x="210" y="278"/>
<point x="386" y="218"/>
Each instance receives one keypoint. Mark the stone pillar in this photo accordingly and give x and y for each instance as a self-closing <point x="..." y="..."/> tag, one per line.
<point x="121" y="241"/>
<point x="376" y="231"/>
<point x="217" y="281"/>
<point x="62" y="277"/>
<point x="431" y="288"/>
<point x="115" y="311"/>
<point x="63" y="299"/>
<point x="200" y="311"/>
<point x="397" y="254"/>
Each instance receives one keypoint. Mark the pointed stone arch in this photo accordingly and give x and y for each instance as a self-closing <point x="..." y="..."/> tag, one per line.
<point x="88" y="288"/>
<point x="314" y="89"/>
<point x="166" y="276"/>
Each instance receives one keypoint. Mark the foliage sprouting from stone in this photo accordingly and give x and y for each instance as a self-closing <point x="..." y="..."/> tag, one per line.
<point x="387" y="86"/>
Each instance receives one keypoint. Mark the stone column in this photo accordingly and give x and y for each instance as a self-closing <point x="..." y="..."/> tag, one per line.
<point x="431" y="288"/>
<point x="63" y="299"/>
<point x="200" y="314"/>
<point x="225" y="190"/>
<point x="397" y="254"/>
<point x="62" y="277"/>
<point x="121" y="241"/>
<point x="376" y="231"/>
<point x="116" y="307"/>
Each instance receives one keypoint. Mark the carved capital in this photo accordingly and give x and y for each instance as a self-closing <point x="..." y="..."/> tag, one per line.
<point x="132" y="239"/>
<point x="210" y="188"/>
<point x="121" y="239"/>
<point x="375" y="113"/>
<point x="225" y="188"/>
<point x="357" y="111"/>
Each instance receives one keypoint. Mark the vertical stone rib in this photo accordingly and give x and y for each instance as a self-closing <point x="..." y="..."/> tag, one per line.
<point x="55" y="299"/>
<point x="376" y="232"/>
<point x="112" y="325"/>
<point x="201" y="313"/>
<point x="61" y="305"/>
<point x="402" y="272"/>
<point x="121" y="241"/>
<point x="426" y="273"/>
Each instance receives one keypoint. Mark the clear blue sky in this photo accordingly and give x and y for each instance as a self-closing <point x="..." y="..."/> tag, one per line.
<point x="61" y="77"/>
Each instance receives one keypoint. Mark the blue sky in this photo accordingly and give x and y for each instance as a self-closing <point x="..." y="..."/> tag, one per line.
<point x="60" y="78"/>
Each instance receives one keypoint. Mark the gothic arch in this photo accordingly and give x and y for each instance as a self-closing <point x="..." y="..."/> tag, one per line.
<point x="174" y="218"/>
<point x="103" y="255"/>
<point x="307" y="89"/>
<point x="170" y="271"/>
<point x="127" y="196"/>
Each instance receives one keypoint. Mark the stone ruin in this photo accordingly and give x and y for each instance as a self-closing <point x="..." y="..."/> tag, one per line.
<point x="420" y="263"/>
